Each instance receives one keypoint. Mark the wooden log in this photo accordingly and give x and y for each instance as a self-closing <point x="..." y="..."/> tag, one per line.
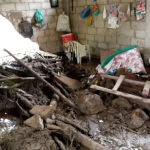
<point x="144" y="102"/>
<point x="68" y="101"/>
<point x="24" y="100"/>
<point x="146" y="89"/>
<point x="68" y="121"/>
<point x="125" y="80"/>
<point x="70" y="131"/>
<point x="118" y="83"/>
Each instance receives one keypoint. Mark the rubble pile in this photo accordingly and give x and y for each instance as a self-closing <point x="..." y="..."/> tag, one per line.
<point x="60" y="111"/>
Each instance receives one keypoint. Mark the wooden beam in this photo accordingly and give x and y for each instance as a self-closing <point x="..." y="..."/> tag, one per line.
<point x="130" y="96"/>
<point x="145" y="92"/>
<point x="125" y="80"/>
<point x="118" y="83"/>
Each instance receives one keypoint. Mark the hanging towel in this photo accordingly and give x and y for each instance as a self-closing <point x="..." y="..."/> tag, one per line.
<point x="128" y="11"/>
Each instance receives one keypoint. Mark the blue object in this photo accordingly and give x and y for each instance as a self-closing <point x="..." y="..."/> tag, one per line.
<point x="85" y="13"/>
<point x="111" y="73"/>
<point x="38" y="16"/>
<point x="94" y="0"/>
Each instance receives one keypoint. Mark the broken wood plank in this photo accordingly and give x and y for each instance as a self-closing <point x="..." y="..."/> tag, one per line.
<point x="125" y="80"/>
<point x="146" y="89"/>
<point x="68" y="101"/>
<point x="144" y="102"/>
<point x="70" y="131"/>
<point x="118" y="83"/>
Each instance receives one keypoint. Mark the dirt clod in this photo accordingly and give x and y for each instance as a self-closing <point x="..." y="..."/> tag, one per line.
<point x="121" y="102"/>
<point x="88" y="103"/>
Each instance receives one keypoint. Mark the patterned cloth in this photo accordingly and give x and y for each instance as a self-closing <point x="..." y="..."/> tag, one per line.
<point x="130" y="60"/>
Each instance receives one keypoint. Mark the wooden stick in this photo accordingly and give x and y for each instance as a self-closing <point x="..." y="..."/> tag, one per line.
<point x="70" y="103"/>
<point x="68" y="130"/>
<point x="68" y="121"/>
<point x="53" y="127"/>
<point x="19" y="78"/>
<point x="119" y="81"/>
<point x="125" y="80"/>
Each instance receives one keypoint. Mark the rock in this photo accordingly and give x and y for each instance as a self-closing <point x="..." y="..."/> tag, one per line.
<point x="88" y="103"/>
<point x="137" y="119"/>
<point x="35" y="122"/>
<point x="44" y="111"/>
<point x="121" y="102"/>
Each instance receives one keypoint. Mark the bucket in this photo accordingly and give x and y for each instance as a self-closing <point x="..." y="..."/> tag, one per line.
<point x="68" y="37"/>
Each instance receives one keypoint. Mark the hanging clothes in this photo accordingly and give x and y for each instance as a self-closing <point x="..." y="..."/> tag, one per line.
<point x="121" y="14"/>
<point x="129" y="11"/>
<point x="140" y="9"/>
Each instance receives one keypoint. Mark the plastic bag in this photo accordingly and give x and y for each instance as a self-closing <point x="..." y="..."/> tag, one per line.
<point x="96" y="12"/>
<point x="38" y="16"/>
<point x="85" y="13"/>
<point x="63" y="23"/>
<point x="89" y="20"/>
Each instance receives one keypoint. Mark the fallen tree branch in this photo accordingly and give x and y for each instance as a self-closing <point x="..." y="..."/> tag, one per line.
<point x="68" y="101"/>
<point x="79" y="137"/>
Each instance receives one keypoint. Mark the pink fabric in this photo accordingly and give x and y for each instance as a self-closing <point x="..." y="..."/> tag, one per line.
<point x="128" y="60"/>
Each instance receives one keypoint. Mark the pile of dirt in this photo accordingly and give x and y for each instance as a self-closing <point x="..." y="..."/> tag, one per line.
<point x="29" y="139"/>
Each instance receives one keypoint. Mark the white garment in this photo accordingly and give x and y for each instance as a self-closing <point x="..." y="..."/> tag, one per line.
<point x="104" y="13"/>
